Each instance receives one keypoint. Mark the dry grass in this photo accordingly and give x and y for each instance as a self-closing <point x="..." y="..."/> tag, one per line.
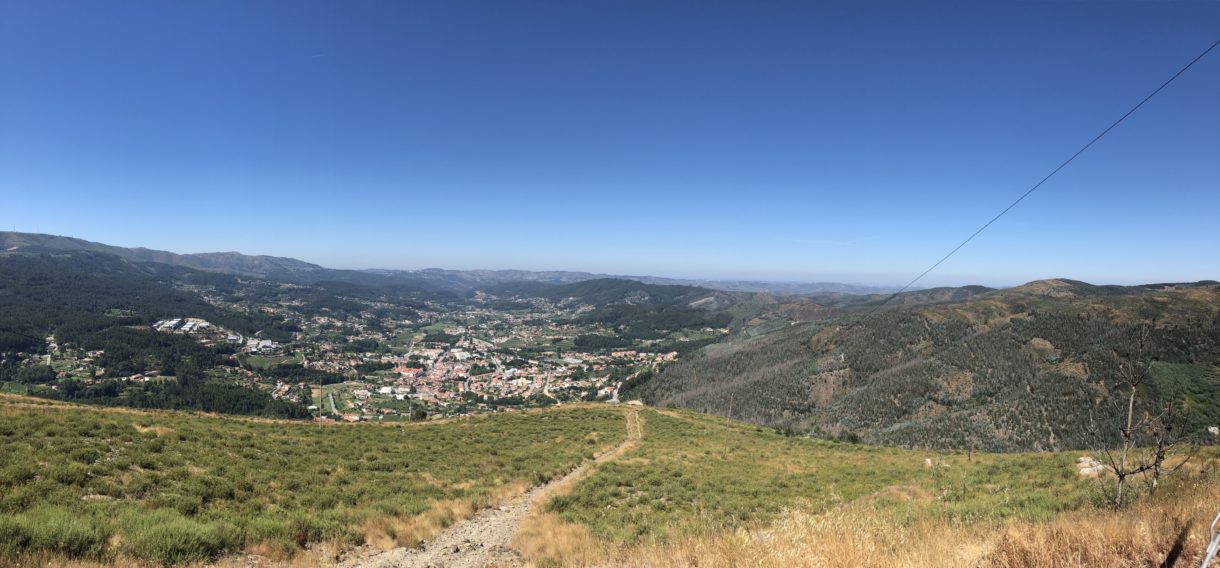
<point x="318" y="555"/>
<point x="1166" y="530"/>
<point x="112" y="485"/>
<point x="1146" y="534"/>
<point x="387" y="532"/>
<point x="158" y="430"/>
<point x="913" y="522"/>
<point x="545" y="539"/>
<point x="857" y="534"/>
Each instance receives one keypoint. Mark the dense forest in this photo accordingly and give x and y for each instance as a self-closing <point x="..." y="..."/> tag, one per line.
<point x="604" y="291"/>
<point x="79" y="294"/>
<point x="1004" y="370"/>
<point x="98" y="302"/>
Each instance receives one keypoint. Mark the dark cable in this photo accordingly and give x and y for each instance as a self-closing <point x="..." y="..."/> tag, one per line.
<point x="1039" y="184"/>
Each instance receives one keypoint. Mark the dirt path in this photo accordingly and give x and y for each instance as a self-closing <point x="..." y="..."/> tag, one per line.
<point x="483" y="540"/>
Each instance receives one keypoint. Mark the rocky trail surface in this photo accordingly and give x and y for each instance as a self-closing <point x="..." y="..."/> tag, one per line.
<point x="483" y="540"/>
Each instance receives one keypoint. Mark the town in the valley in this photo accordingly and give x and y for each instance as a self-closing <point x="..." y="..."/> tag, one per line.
<point x="368" y="360"/>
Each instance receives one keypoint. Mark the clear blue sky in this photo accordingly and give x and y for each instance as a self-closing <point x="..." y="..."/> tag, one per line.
<point x="849" y="141"/>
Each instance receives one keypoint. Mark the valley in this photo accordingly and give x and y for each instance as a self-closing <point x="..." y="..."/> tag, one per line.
<point x="496" y="284"/>
<point x="165" y="415"/>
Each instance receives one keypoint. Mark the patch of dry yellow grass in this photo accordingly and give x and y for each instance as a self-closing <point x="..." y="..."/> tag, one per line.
<point x="852" y="535"/>
<point x="158" y="430"/>
<point x="387" y="532"/>
<point x="1147" y="534"/>
<point x="318" y="555"/>
<point x="546" y="539"/>
<point x="867" y="532"/>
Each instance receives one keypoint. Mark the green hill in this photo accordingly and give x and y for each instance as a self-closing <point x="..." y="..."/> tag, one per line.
<point x="1032" y="367"/>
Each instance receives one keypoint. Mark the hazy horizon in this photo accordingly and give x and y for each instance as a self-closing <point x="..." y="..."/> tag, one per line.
<point x="930" y="282"/>
<point x="788" y="142"/>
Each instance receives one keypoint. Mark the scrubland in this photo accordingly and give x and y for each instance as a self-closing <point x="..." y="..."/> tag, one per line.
<point x="703" y="491"/>
<point x="86" y="486"/>
<point x="116" y="485"/>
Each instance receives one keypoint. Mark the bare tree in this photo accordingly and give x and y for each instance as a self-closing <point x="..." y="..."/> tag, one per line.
<point x="1147" y="439"/>
<point x="1165" y="440"/>
<point x="1122" y="462"/>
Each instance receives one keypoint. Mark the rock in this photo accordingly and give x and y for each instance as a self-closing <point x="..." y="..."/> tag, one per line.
<point x="1214" y="430"/>
<point x="1089" y="467"/>
<point x="1091" y="471"/>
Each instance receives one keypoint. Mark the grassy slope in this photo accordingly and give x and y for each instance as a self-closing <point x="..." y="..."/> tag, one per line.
<point x="696" y="473"/>
<point x="117" y="485"/>
<point x="174" y="487"/>
<point x="701" y="490"/>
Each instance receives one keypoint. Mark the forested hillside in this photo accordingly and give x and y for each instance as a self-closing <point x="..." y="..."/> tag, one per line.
<point x="226" y="262"/>
<point x="91" y="326"/>
<point x="1034" y="367"/>
<point x="606" y="291"/>
<point x="98" y="302"/>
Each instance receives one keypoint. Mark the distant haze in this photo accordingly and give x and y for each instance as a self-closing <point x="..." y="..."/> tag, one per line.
<point x="782" y="141"/>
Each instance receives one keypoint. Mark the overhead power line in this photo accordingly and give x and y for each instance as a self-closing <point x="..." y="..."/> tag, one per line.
<point x="1042" y="181"/>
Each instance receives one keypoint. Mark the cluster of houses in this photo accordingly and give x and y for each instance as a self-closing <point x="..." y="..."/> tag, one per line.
<point x="183" y="325"/>
<point x="464" y="373"/>
<point x="263" y="346"/>
<point x="209" y="332"/>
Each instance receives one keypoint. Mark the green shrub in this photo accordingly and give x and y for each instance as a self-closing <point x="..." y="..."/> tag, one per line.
<point x="69" y="473"/>
<point x="18" y="473"/>
<point x="86" y="456"/>
<point x="53" y="530"/>
<point x="221" y="484"/>
<point x="168" y="537"/>
<point x="13" y="537"/>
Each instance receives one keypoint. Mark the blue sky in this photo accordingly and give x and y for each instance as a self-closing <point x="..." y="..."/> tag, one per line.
<point x="852" y="141"/>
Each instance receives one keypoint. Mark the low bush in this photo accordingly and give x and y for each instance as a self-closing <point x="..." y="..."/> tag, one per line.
<point x="177" y="488"/>
<point x="170" y="538"/>
<point x="52" y="530"/>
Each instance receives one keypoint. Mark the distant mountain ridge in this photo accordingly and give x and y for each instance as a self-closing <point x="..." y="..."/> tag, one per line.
<point x="263" y="266"/>
<point x="228" y="262"/>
